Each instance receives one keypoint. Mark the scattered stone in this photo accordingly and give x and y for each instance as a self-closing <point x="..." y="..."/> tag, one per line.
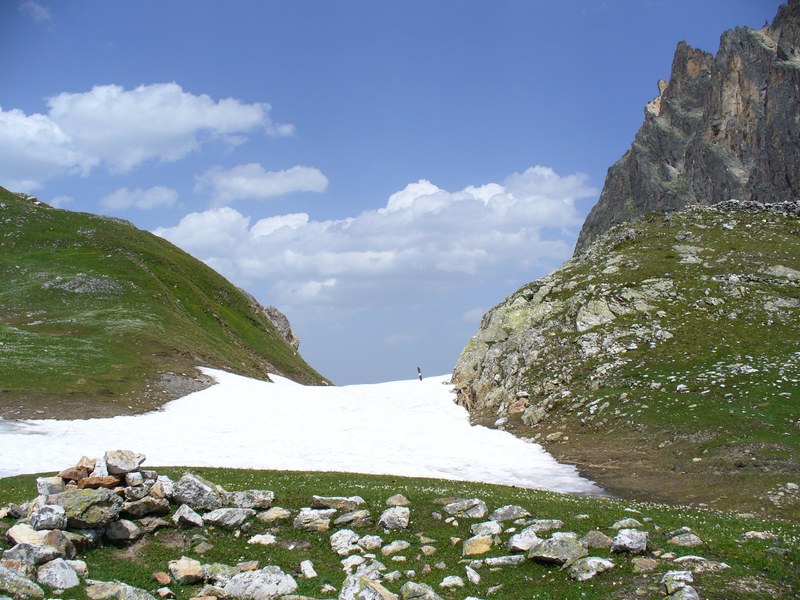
<point x="596" y="539"/>
<point x="397" y="500"/>
<point x="275" y="513"/>
<point x="587" y="567"/>
<point x="395" y="547"/>
<point x="57" y="574"/>
<point x="418" y="591"/>
<point x="263" y="539"/>
<point x="186" y="517"/>
<point x="354" y="518"/>
<point x="557" y="551"/>
<point x="311" y="519"/>
<point x="479" y="544"/>
<point x="504" y="561"/>
<point x="472" y="508"/>
<point x="123" y="531"/>
<point x="542" y="525"/>
<point x="165" y="592"/>
<point x="360" y="587"/>
<point x="198" y="493"/>
<point x="219" y="574"/>
<point x="644" y="565"/>
<point x="509" y="512"/>
<point x="228" y="518"/>
<point x="688" y="540"/>
<point x="162" y="578"/>
<point x="452" y="581"/>
<point x="630" y="540"/>
<point x="524" y="540"/>
<point x="49" y="516"/>
<point x="487" y="528"/>
<point x="344" y="542"/>
<point x="307" y="569"/>
<point x="337" y="502"/>
<point x="626" y="523"/>
<point x="253" y="499"/>
<point x="115" y="590"/>
<point x="269" y="582"/>
<point x="370" y="542"/>
<point x="676" y="580"/>
<point x="698" y="564"/>
<point x="397" y="517"/>
<point x="186" y="570"/>
<point x="472" y="575"/>
<point x="121" y="462"/>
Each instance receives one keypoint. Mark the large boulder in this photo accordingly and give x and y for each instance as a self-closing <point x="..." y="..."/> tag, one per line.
<point x="18" y="587"/>
<point x="87" y="509"/>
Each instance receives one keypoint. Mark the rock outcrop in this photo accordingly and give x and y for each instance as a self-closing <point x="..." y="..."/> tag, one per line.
<point x="665" y="328"/>
<point x="723" y="127"/>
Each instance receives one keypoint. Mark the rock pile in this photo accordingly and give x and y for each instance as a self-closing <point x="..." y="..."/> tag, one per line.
<point x="114" y="501"/>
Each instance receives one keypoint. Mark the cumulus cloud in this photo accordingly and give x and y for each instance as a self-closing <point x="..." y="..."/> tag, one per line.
<point x="251" y="181"/>
<point x="154" y="197"/>
<point x="119" y="128"/>
<point x="422" y="238"/>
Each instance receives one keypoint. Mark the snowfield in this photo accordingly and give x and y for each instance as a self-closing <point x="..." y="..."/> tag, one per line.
<point x="411" y="428"/>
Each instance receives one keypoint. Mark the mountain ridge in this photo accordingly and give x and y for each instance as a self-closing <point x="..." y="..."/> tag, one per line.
<point x="723" y="127"/>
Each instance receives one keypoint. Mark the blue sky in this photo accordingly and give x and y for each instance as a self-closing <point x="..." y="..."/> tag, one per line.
<point x="382" y="172"/>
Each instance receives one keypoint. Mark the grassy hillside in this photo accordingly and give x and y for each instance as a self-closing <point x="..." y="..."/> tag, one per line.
<point x="98" y="317"/>
<point x="664" y="361"/>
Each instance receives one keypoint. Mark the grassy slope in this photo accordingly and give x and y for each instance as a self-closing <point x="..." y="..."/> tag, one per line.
<point x="754" y="564"/>
<point x="730" y="435"/>
<point x="93" y="310"/>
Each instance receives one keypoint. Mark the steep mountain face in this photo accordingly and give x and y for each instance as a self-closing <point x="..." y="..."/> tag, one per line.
<point x="723" y="127"/>
<point x="100" y="318"/>
<point x="664" y="360"/>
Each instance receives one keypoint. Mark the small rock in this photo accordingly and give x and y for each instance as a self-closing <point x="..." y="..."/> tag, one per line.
<point x="269" y="582"/>
<point x="397" y="517"/>
<point x="344" y="542"/>
<point x="228" y="518"/>
<point x="354" y="518"/>
<point x="275" y="513"/>
<point x="596" y="539"/>
<point x="253" y="499"/>
<point x="626" y="523"/>
<point x="186" y="570"/>
<point x="452" y="581"/>
<point x="688" y="540"/>
<point x="418" y="591"/>
<point x="121" y="462"/>
<point x="337" y="502"/>
<point x="472" y="508"/>
<point x="630" y="540"/>
<point x="262" y="539"/>
<point x="186" y="517"/>
<point x="397" y="500"/>
<point x="523" y="541"/>
<point x="587" y="567"/>
<point x="479" y="544"/>
<point x="310" y="519"/>
<point x="49" y="516"/>
<point x="162" y="578"/>
<point x="395" y="547"/>
<point x="487" y="528"/>
<point x="307" y="569"/>
<point x="509" y="512"/>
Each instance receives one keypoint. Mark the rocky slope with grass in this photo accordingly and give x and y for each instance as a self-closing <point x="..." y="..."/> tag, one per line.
<point x="99" y="318"/>
<point x="722" y="127"/>
<point x="664" y="360"/>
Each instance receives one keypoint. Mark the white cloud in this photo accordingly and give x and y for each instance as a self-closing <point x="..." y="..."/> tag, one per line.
<point x="424" y="239"/>
<point x="119" y="128"/>
<point x="154" y="197"/>
<point x="36" y="11"/>
<point x="251" y="181"/>
<point x="61" y="201"/>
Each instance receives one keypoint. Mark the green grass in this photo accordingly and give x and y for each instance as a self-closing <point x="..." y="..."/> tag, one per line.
<point x="771" y="565"/>
<point x="723" y="388"/>
<point x="93" y="306"/>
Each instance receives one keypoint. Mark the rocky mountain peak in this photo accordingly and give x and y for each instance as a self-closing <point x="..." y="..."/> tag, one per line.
<point x="722" y="127"/>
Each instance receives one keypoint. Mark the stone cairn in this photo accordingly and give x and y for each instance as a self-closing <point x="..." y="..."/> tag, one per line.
<point x="114" y="500"/>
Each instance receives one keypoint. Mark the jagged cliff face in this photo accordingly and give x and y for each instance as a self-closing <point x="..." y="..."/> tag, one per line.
<point x="723" y="127"/>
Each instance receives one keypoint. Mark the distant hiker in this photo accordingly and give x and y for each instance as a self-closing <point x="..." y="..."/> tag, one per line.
<point x="419" y="372"/>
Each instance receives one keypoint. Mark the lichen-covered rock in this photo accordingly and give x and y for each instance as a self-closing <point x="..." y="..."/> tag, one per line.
<point x="559" y="551"/>
<point x="58" y="574"/>
<point x="17" y="586"/>
<point x="337" y="502"/>
<point x="418" y="591"/>
<point x="472" y="508"/>
<point x="87" y="509"/>
<point x="115" y="590"/>
<point x="397" y="517"/>
<point x="587" y="567"/>
<point x="256" y="499"/>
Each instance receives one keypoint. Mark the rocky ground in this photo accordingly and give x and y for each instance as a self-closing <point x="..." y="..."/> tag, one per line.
<point x="113" y="501"/>
<point x="664" y="361"/>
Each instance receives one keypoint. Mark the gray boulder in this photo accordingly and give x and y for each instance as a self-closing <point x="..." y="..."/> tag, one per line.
<point x="198" y="493"/>
<point x="509" y="512"/>
<point x="524" y="540"/>
<point x="49" y="516"/>
<point x="264" y="584"/>
<point x="32" y="554"/>
<point x="397" y="517"/>
<point x="418" y="591"/>
<point x="58" y="574"/>
<point x="472" y="508"/>
<point x="115" y="590"/>
<point x="123" y="531"/>
<point x="559" y="551"/>
<point x="312" y="519"/>
<point x="587" y="567"/>
<point x="632" y="541"/>
<point x="258" y="499"/>
<point x="17" y="586"/>
<point x="121" y="462"/>
<point x="186" y="517"/>
<point x="228" y="518"/>
<point x="337" y="502"/>
<point x="87" y="509"/>
<point x="146" y="506"/>
<point x="360" y="587"/>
